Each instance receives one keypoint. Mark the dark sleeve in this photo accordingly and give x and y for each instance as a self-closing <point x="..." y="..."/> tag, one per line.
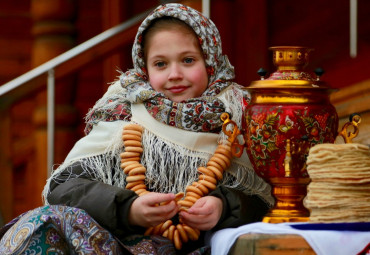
<point x="108" y="205"/>
<point x="238" y="207"/>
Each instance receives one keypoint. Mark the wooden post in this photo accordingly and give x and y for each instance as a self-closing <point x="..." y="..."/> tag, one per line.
<point x="112" y="15"/>
<point x="53" y="32"/>
<point x="6" y="175"/>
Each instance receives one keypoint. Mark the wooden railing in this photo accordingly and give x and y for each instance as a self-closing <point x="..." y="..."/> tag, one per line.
<point x="69" y="62"/>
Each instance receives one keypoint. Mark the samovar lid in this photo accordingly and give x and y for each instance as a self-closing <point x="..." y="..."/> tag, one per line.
<point x="290" y="62"/>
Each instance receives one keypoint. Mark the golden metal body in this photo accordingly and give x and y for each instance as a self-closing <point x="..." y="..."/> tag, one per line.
<point x="289" y="193"/>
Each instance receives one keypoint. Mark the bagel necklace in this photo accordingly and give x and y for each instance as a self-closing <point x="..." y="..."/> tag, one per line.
<point x="207" y="179"/>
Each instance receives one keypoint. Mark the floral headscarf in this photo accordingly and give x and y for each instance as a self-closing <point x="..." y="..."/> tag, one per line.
<point x="196" y="114"/>
<point x="218" y="66"/>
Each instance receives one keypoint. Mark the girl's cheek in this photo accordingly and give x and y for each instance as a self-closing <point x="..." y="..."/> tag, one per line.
<point x="200" y="78"/>
<point x="156" y="81"/>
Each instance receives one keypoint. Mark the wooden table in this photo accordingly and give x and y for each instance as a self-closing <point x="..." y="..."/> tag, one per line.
<point x="271" y="244"/>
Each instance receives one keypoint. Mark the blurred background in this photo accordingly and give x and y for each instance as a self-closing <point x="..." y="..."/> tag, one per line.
<point x="34" y="32"/>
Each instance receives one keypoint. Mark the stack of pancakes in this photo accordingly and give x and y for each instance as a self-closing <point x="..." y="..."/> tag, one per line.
<point x="340" y="183"/>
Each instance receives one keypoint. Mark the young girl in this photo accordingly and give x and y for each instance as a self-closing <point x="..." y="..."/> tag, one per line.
<point x="175" y="94"/>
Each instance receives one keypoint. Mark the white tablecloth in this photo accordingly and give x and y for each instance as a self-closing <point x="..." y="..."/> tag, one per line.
<point x="323" y="242"/>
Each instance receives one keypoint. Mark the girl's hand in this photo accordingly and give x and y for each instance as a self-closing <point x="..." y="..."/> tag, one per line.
<point x="145" y="211"/>
<point x="204" y="214"/>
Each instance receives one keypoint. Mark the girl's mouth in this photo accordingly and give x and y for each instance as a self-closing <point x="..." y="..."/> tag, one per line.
<point x="177" y="89"/>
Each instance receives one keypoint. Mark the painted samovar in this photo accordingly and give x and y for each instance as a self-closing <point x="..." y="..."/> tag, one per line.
<point x="289" y="112"/>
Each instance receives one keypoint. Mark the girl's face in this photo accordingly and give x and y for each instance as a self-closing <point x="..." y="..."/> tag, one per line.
<point x="175" y="64"/>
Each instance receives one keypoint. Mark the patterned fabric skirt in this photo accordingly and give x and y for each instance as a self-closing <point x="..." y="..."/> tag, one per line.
<point x="59" y="230"/>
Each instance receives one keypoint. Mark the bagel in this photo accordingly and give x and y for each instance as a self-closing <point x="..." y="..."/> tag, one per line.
<point x="214" y="163"/>
<point x="165" y="233"/>
<point x="128" y="163"/>
<point x="132" y="132"/>
<point x="183" y="209"/>
<point x="135" y="178"/>
<point x="134" y="149"/>
<point x="182" y="232"/>
<point x="129" y="154"/>
<point x="133" y="127"/>
<point x="156" y="229"/>
<point x="137" y="170"/>
<point x="224" y="158"/>
<point x="219" y="161"/>
<point x="222" y="149"/>
<point x="130" y="185"/>
<point x="179" y="195"/>
<point x="171" y="231"/>
<point x="195" y="190"/>
<point x="191" y="233"/>
<point x="129" y="167"/>
<point x="136" y="159"/>
<point x="132" y="143"/>
<point x="165" y="226"/>
<point x="177" y="240"/>
<point x="193" y="194"/>
<point x="201" y="187"/>
<point x="139" y="186"/>
<point x="185" y="203"/>
<point x="131" y="137"/>
<point x="208" y="184"/>
<point x="207" y="178"/>
<point x="191" y="199"/>
<point x="140" y="192"/>
<point x="204" y="170"/>
<point x="217" y="172"/>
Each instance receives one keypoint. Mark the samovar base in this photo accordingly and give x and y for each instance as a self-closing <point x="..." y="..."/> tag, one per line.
<point x="289" y="193"/>
<point x="281" y="219"/>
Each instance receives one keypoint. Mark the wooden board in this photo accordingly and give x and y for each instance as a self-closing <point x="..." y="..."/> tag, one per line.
<point x="268" y="244"/>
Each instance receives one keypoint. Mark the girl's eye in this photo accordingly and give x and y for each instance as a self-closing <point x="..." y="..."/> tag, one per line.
<point x="159" y="64"/>
<point x="188" y="60"/>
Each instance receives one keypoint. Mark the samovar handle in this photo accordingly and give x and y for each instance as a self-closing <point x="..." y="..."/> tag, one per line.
<point x="232" y="132"/>
<point x="354" y="121"/>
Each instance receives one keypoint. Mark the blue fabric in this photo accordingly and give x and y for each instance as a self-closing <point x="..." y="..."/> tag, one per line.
<point x="57" y="230"/>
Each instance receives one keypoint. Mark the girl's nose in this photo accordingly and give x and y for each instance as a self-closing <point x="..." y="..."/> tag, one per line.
<point x="175" y="72"/>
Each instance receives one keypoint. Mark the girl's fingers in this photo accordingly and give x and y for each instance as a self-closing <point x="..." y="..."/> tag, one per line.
<point x="146" y="210"/>
<point x="201" y="224"/>
<point x="199" y="211"/>
<point x="196" y="219"/>
<point x="155" y="199"/>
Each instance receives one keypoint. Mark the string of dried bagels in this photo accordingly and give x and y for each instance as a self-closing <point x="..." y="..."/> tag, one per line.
<point x="207" y="181"/>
